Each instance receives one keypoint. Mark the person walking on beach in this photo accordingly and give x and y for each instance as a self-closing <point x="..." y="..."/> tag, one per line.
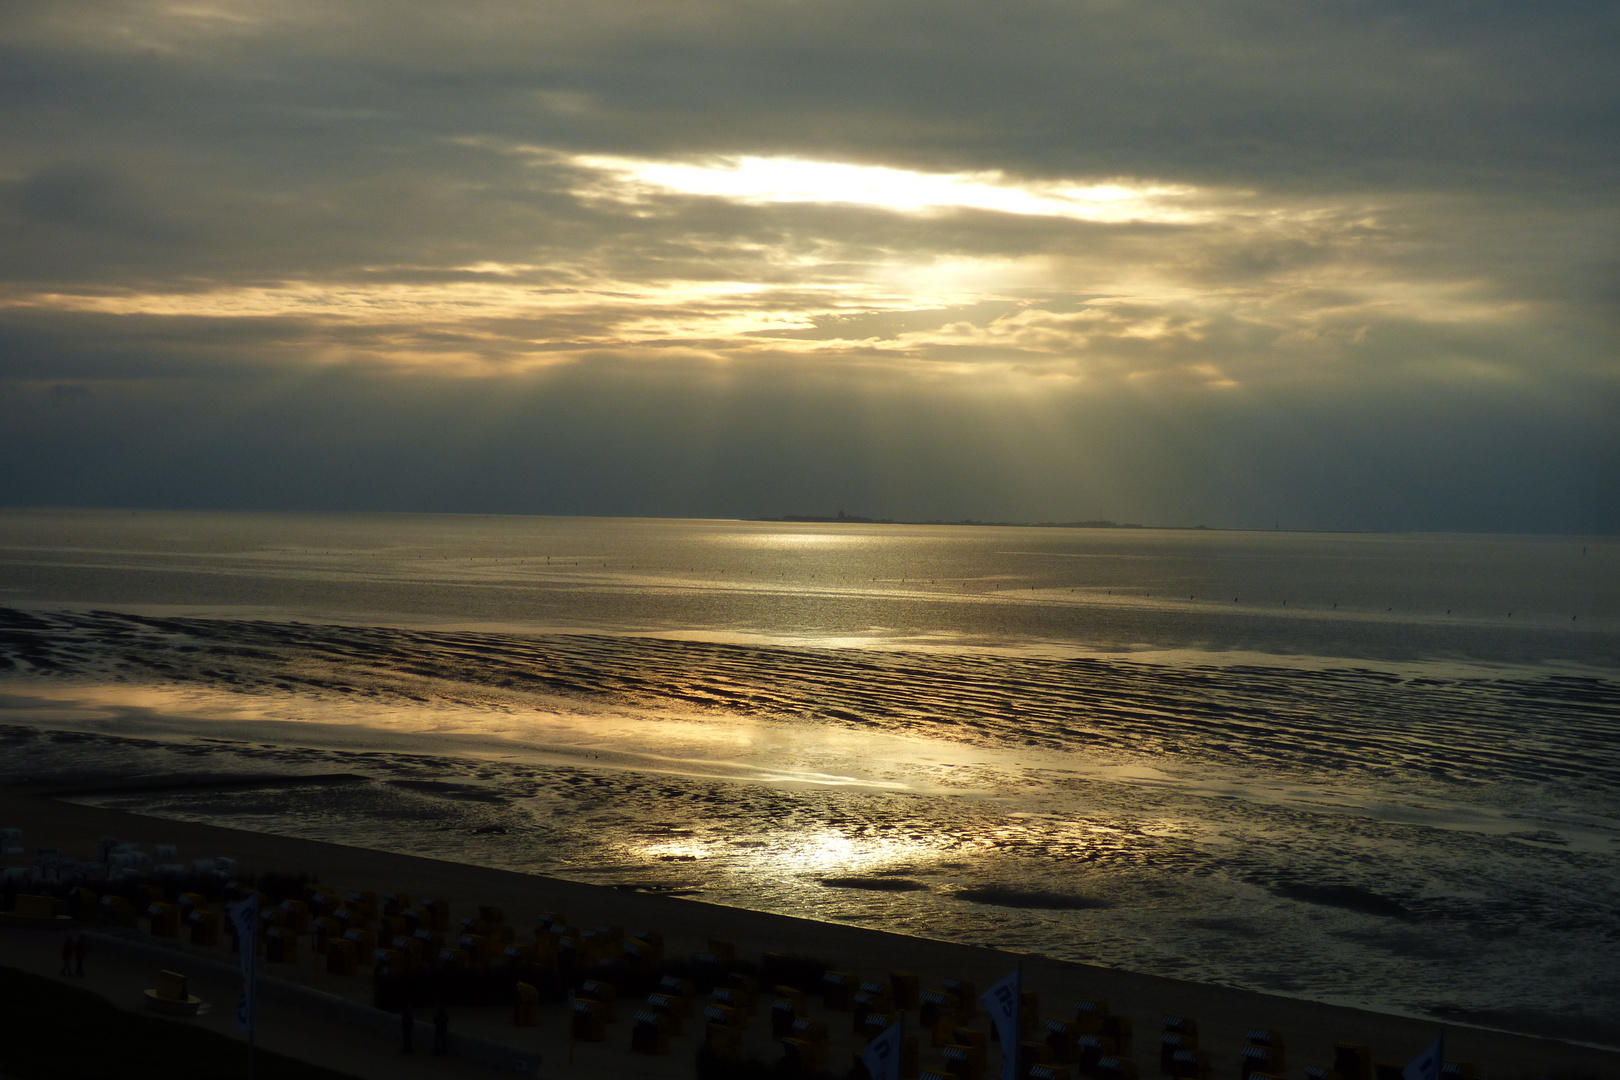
<point x="80" y="948"/>
<point x="67" y="955"/>
<point x="407" y="1028"/>
<point x="441" y="1030"/>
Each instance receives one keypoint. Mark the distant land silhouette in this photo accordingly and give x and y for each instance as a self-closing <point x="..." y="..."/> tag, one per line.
<point x="855" y="519"/>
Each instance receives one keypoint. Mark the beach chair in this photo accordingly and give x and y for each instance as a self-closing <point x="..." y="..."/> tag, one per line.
<point x="1089" y="1050"/>
<point x="675" y="1008"/>
<point x="363" y="905"/>
<point x="395" y="903"/>
<point x="870" y="997"/>
<point x="1353" y="1061"/>
<point x="644" y="954"/>
<point x="651" y="1033"/>
<point x="787" y="1006"/>
<point x="81" y="901"/>
<point x="365" y="945"/>
<point x="1116" y="1068"/>
<point x="116" y="910"/>
<point x="435" y="915"/>
<point x="937" y="1012"/>
<point x="806" y="1028"/>
<point x="322" y="900"/>
<point x="411" y="950"/>
<point x="1118" y="1033"/>
<point x="1172" y="1043"/>
<point x="1034" y="1053"/>
<point x="596" y="944"/>
<point x="903" y="989"/>
<point x="683" y="990"/>
<point x="1029" y="1015"/>
<point x="163" y="919"/>
<point x="1319" y="1072"/>
<point x="491" y="914"/>
<point x="570" y="956"/>
<point x="295" y="916"/>
<point x="1041" y="1071"/>
<point x="321" y="929"/>
<point x="475" y="945"/>
<point x="1457" y="1070"/>
<point x="967" y="998"/>
<point x="708" y="969"/>
<point x="204" y="926"/>
<point x="544" y="948"/>
<point x="605" y="992"/>
<point x="589" y="1020"/>
<point x="733" y="998"/>
<point x="1189" y="1065"/>
<point x="1262" y="1060"/>
<point x="1089" y="1014"/>
<point x="1181" y="1025"/>
<point x="280" y="946"/>
<point x="714" y="1013"/>
<point x="342" y="958"/>
<point x="526" y="1007"/>
<point x="1063" y="1036"/>
<point x="802" y="1055"/>
<point x="964" y="1062"/>
<point x="838" y="989"/>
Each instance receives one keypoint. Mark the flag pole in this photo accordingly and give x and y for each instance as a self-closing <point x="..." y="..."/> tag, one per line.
<point x="253" y="985"/>
<point x="1018" y="1016"/>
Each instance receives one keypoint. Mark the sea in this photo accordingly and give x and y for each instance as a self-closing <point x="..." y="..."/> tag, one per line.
<point x="1367" y="769"/>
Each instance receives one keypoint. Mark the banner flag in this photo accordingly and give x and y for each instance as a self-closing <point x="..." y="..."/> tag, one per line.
<point x="245" y="918"/>
<point x="1427" y="1065"/>
<point x="882" y="1057"/>
<point x="1001" y="1002"/>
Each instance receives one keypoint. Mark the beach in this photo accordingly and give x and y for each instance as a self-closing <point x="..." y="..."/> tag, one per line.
<point x="1224" y="1014"/>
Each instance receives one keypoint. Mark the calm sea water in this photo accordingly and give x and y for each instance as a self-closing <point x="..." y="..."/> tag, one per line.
<point x="1379" y="770"/>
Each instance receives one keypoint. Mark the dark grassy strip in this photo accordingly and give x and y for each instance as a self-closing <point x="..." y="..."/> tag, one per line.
<point x="49" y="1031"/>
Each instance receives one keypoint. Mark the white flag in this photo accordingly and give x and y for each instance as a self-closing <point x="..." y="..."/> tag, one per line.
<point x="1001" y="1002"/>
<point x="882" y="1057"/>
<point x="1427" y="1065"/>
<point x="245" y="917"/>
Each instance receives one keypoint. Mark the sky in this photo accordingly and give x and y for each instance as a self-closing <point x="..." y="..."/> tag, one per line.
<point x="1341" y="265"/>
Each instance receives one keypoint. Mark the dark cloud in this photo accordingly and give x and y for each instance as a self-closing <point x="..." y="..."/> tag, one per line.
<point x="315" y="254"/>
